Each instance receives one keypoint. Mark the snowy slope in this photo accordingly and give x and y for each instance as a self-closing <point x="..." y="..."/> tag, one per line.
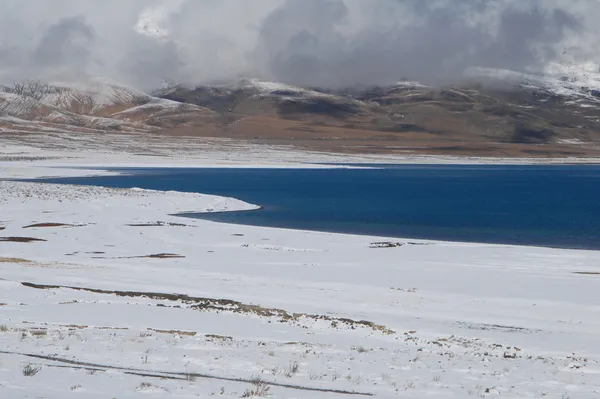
<point x="578" y="83"/>
<point x="23" y="106"/>
<point x="93" y="107"/>
<point x="93" y="98"/>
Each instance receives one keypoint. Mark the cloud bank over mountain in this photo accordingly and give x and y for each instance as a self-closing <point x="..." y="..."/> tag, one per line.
<point x="318" y="42"/>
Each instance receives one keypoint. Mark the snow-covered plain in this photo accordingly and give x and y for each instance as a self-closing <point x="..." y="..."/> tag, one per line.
<point x="104" y="294"/>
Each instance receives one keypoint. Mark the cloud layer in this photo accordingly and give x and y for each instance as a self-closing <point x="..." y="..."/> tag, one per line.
<point x="316" y="42"/>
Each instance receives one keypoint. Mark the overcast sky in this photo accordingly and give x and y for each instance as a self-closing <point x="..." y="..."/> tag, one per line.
<point x="311" y="42"/>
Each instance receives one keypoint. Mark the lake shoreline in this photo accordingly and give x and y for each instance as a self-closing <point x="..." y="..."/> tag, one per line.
<point x="487" y="204"/>
<point x="123" y="295"/>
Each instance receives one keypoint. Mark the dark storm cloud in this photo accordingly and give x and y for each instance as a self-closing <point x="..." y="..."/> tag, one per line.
<point x="312" y="42"/>
<point x="436" y="44"/>
<point x="66" y="43"/>
<point x="149" y="63"/>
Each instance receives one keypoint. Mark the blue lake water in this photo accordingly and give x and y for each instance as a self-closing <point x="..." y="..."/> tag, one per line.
<point x="556" y="206"/>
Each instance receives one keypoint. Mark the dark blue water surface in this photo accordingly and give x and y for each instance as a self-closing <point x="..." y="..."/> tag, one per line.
<point x="556" y="206"/>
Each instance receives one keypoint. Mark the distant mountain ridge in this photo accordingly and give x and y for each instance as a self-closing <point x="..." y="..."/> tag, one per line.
<point x="508" y="114"/>
<point x="94" y="107"/>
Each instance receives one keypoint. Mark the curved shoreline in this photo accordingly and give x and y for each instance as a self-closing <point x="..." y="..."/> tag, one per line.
<point x="471" y="311"/>
<point x="287" y="206"/>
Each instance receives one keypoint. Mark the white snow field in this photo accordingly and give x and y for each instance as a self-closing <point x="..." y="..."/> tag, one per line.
<point x="104" y="294"/>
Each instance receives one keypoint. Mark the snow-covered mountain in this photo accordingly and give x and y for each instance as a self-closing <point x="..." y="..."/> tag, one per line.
<point x="574" y="82"/>
<point x="492" y="113"/>
<point x="96" y="106"/>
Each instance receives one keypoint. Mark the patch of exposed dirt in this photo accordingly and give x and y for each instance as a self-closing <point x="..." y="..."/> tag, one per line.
<point x="386" y="245"/>
<point x="496" y="327"/>
<point x="389" y="244"/>
<point x="153" y="256"/>
<point x="175" y="332"/>
<point x="38" y="332"/>
<point x="164" y="256"/>
<point x="21" y="239"/>
<point x="157" y="224"/>
<point x="75" y="327"/>
<point x="227" y="305"/>
<point x="112" y="328"/>
<point x="40" y="225"/>
<point x="14" y="260"/>
<point x="218" y="337"/>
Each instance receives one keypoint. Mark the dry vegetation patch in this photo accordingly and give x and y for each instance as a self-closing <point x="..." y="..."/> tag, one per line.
<point x="14" y="260"/>
<point x="175" y="332"/>
<point x="212" y="304"/>
<point x="259" y="388"/>
<point x="38" y="332"/>
<point x="31" y="370"/>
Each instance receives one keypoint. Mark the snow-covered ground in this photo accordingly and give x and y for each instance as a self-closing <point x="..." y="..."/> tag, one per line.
<point x="103" y="294"/>
<point x="52" y="152"/>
